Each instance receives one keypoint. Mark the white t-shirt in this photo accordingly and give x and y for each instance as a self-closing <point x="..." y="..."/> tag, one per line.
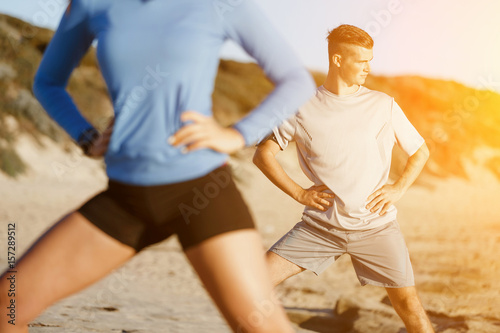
<point x="345" y="142"/>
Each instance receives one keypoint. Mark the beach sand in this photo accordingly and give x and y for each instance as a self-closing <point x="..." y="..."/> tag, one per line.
<point x="452" y="229"/>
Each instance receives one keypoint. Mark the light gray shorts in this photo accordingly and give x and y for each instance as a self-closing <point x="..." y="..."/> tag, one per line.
<point x="379" y="256"/>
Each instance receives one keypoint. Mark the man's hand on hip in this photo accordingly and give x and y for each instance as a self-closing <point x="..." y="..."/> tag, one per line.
<point x="384" y="197"/>
<point x="315" y="197"/>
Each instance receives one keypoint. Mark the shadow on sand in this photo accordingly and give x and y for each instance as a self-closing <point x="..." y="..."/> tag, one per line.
<point x="323" y="320"/>
<point x="327" y="321"/>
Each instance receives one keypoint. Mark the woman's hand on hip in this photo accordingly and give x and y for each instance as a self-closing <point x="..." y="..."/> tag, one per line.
<point x="204" y="132"/>
<point x="100" y="145"/>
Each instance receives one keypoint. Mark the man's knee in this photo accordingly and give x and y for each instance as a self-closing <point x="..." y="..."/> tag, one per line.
<point x="410" y="304"/>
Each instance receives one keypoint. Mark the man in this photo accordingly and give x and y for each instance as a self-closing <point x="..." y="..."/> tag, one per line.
<point x="159" y="60"/>
<point x="344" y="137"/>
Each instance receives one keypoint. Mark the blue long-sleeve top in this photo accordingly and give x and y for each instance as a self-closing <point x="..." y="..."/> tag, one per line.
<point x="160" y="58"/>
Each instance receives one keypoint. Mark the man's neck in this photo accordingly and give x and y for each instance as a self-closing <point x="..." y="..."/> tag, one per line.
<point x="336" y="85"/>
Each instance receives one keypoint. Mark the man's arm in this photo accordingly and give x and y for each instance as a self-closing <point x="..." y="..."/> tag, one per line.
<point x="391" y="193"/>
<point x="265" y="160"/>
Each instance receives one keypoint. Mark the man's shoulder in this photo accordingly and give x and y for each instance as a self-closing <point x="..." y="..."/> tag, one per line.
<point x="317" y="101"/>
<point x="375" y="94"/>
<point x="311" y="104"/>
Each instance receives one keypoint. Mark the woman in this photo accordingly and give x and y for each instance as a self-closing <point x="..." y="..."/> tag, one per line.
<point x="166" y="167"/>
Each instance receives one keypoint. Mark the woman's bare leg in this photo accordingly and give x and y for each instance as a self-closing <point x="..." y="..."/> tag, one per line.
<point x="233" y="270"/>
<point x="69" y="257"/>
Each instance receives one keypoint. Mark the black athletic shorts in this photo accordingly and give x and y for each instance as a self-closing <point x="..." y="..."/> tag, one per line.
<point x="195" y="210"/>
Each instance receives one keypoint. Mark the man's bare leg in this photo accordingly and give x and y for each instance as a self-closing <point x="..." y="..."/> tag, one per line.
<point x="72" y="255"/>
<point x="232" y="269"/>
<point x="405" y="300"/>
<point x="280" y="269"/>
<point x="408" y="306"/>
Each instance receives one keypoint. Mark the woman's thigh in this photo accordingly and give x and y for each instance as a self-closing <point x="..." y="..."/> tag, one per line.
<point x="232" y="268"/>
<point x="70" y="256"/>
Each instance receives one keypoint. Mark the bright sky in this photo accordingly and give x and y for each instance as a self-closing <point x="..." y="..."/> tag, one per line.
<point x="448" y="39"/>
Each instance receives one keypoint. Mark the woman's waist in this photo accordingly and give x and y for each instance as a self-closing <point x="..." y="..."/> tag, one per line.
<point x="154" y="168"/>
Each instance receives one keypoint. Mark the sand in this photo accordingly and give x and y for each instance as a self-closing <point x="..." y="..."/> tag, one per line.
<point x="452" y="229"/>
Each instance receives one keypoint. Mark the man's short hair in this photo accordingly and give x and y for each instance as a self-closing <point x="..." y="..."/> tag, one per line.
<point x="347" y="34"/>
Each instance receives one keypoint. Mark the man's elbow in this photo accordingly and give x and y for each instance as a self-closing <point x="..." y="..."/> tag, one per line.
<point x="425" y="151"/>
<point x="257" y="158"/>
<point x="422" y="154"/>
<point x="262" y="157"/>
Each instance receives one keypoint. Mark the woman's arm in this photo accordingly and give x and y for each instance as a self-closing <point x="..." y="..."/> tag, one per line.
<point x="244" y="23"/>
<point x="247" y="25"/>
<point x="67" y="47"/>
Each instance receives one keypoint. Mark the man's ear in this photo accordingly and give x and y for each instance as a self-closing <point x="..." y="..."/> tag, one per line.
<point x="336" y="59"/>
